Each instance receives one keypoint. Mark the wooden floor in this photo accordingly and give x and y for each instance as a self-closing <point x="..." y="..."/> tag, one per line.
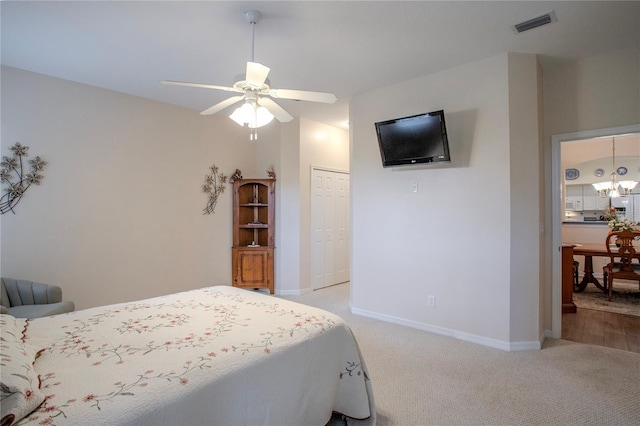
<point x="603" y="329"/>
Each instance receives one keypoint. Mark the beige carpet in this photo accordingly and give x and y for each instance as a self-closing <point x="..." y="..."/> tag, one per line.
<point x="426" y="379"/>
<point x="625" y="299"/>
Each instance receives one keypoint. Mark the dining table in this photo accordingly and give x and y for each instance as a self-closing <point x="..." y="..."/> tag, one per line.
<point x="569" y="250"/>
<point x="589" y="251"/>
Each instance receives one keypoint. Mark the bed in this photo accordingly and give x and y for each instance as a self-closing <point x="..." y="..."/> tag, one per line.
<point x="212" y="356"/>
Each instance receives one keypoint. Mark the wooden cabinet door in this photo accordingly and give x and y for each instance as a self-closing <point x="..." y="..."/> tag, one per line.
<point x="253" y="268"/>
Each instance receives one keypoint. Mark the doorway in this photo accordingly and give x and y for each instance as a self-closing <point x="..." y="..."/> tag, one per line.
<point x="330" y="227"/>
<point x="557" y="197"/>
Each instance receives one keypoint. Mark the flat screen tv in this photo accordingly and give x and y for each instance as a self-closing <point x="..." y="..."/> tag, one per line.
<point x="411" y="140"/>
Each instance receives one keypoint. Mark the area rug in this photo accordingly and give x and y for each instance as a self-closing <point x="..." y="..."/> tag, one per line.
<point x="625" y="300"/>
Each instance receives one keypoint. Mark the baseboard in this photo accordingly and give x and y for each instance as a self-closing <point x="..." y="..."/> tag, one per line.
<point x="467" y="337"/>
<point x="297" y="292"/>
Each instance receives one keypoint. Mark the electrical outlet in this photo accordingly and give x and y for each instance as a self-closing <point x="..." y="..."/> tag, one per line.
<point x="414" y="186"/>
<point x="431" y="301"/>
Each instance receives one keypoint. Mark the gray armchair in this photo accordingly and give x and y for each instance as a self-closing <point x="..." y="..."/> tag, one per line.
<point x="26" y="299"/>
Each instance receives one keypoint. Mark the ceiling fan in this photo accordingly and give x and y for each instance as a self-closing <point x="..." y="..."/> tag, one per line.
<point x="258" y="108"/>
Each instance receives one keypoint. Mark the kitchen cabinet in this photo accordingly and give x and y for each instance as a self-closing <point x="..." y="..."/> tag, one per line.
<point x="573" y="198"/>
<point x="584" y="198"/>
<point x="591" y="200"/>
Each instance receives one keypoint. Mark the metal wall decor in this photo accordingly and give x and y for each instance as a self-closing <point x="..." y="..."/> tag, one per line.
<point x="214" y="186"/>
<point x="12" y="174"/>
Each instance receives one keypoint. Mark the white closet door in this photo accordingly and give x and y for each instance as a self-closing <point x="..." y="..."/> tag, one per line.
<point x="330" y="228"/>
<point x="343" y="229"/>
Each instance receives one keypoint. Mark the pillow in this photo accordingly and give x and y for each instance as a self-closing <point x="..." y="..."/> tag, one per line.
<point x="19" y="384"/>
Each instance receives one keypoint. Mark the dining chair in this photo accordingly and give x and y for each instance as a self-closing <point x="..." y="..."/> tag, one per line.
<point x="622" y="262"/>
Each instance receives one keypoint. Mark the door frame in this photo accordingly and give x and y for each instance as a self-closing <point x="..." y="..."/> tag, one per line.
<point x="311" y="171"/>
<point x="556" y="213"/>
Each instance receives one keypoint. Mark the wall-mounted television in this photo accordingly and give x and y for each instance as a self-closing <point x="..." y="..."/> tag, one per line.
<point x="417" y="139"/>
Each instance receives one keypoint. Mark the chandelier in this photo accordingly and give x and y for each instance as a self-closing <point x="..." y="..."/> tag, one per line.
<point x="614" y="188"/>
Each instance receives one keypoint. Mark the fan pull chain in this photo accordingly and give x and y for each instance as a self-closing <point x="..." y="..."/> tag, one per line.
<point x="253" y="131"/>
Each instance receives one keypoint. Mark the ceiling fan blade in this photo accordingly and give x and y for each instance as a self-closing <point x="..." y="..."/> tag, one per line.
<point x="222" y="105"/>
<point x="301" y="95"/>
<point x="278" y="112"/>
<point x="204" y="86"/>
<point x="256" y="74"/>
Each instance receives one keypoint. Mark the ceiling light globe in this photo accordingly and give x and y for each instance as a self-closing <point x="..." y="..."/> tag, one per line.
<point x="628" y="184"/>
<point x="262" y="117"/>
<point x="601" y="186"/>
<point x="252" y="115"/>
<point x="242" y="115"/>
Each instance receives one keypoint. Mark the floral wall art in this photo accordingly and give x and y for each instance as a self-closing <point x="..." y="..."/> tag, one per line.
<point x="15" y="180"/>
<point x="213" y="186"/>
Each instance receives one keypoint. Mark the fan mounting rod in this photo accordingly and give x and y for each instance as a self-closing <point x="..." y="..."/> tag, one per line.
<point x="253" y="16"/>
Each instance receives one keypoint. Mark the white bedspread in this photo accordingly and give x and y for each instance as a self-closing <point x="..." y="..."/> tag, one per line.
<point x="214" y="356"/>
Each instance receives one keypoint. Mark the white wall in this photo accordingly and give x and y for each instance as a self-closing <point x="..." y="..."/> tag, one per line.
<point x="287" y="253"/>
<point x="303" y="143"/>
<point x="321" y="146"/>
<point x="526" y="206"/>
<point x="594" y="93"/>
<point x="598" y="92"/>
<point x="452" y="239"/>
<point x="1" y="145"/>
<point x="118" y="215"/>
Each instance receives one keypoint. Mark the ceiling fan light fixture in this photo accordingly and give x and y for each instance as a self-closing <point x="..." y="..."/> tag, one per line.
<point x="263" y="117"/>
<point x="252" y="115"/>
<point x="255" y="88"/>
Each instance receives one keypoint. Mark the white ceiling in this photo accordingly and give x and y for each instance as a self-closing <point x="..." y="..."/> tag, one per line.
<point x="343" y="47"/>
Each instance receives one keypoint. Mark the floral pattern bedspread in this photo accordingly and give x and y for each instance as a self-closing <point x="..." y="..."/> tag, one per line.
<point x="218" y="355"/>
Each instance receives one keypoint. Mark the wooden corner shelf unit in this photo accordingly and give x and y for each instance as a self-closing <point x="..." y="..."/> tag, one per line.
<point x="253" y="233"/>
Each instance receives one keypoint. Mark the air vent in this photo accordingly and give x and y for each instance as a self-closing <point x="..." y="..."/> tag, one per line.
<point x="536" y="22"/>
